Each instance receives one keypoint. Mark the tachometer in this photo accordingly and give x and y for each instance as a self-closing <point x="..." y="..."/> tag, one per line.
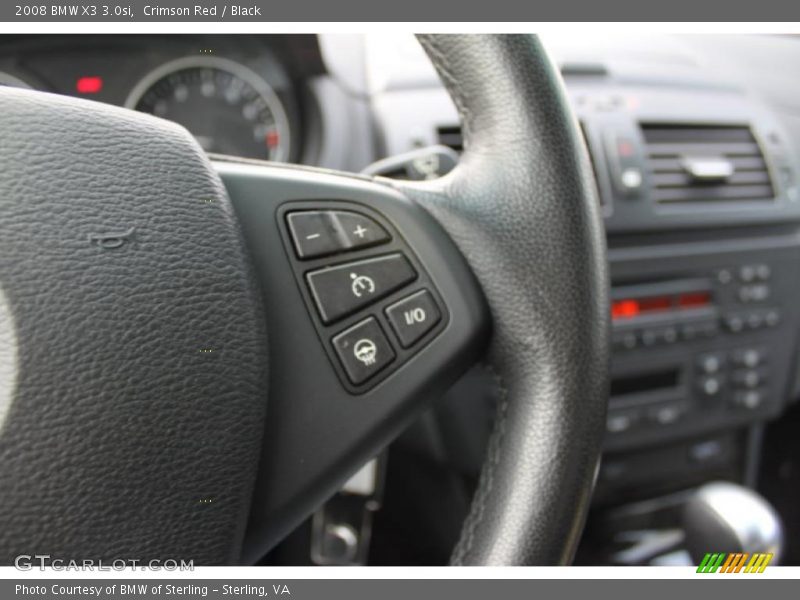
<point x="229" y="108"/>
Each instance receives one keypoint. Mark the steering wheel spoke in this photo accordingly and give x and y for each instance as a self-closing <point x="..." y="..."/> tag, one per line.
<point x="371" y="311"/>
<point x="187" y="342"/>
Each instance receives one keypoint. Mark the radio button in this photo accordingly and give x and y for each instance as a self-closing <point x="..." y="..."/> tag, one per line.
<point x="751" y="399"/>
<point x="754" y="293"/>
<point x="755" y="320"/>
<point x="710" y="386"/>
<point x="750" y="378"/>
<point x="707" y="451"/>
<point x="693" y="331"/>
<point x="649" y="337"/>
<point x="708" y="329"/>
<point x="689" y="332"/>
<point x="734" y="323"/>
<point x="772" y="318"/>
<point x="711" y="363"/>
<point x="667" y="414"/>
<point x="620" y="422"/>
<point x="747" y="273"/>
<point x="749" y="357"/>
<point x="667" y="335"/>
<point x="624" y="340"/>
<point x="322" y="232"/>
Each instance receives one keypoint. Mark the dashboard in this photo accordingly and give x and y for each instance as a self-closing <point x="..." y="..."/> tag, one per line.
<point x="692" y="141"/>
<point x="259" y="97"/>
<point x="695" y="146"/>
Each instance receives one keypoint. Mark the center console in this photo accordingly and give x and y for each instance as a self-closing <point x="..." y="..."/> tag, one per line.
<point x="702" y="209"/>
<point x="699" y="348"/>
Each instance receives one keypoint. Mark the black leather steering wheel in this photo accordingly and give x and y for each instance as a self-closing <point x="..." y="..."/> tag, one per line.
<point x="168" y="388"/>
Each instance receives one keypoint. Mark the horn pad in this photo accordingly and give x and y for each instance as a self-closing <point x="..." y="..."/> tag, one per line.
<point x="135" y="362"/>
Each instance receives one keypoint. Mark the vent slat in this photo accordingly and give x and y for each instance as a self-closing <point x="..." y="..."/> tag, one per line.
<point x="713" y="194"/>
<point x="701" y="149"/>
<point x="705" y="135"/>
<point x="673" y="165"/>
<point x="684" y="180"/>
<point x="668" y="145"/>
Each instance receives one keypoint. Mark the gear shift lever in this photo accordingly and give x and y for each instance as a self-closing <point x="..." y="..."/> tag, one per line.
<point x="725" y="517"/>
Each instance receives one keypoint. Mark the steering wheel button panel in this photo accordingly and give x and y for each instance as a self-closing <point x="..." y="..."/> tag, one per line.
<point x="363" y="350"/>
<point x="341" y="290"/>
<point x="413" y="317"/>
<point x="318" y="233"/>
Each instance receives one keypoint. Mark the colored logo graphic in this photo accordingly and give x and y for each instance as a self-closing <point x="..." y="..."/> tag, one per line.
<point x="734" y="563"/>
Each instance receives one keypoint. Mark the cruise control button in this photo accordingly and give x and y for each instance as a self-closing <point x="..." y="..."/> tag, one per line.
<point x="321" y="232"/>
<point x="343" y="289"/>
<point x="312" y="234"/>
<point x="363" y="350"/>
<point x="413" y="317"/>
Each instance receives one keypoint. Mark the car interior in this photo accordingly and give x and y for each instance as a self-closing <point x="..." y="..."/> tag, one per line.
<point x="517" y="300"/>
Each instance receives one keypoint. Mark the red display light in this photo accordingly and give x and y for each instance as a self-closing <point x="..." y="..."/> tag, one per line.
<point x="272" y="139"/>
<point x="655" y="304"/>
<point x="625" y="309"/>
<point x="629" y="308"/>
<point x="89" y="84"/>
<point x="694" y="300"/>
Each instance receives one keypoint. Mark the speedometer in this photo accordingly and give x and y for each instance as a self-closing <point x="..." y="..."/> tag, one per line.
<point x="227" y="107"/>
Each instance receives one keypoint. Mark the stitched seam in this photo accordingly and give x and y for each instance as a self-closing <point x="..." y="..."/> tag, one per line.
<point x="487" y="478"/>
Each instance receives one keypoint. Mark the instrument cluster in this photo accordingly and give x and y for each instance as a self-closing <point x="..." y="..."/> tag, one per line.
<point x="235" y="94"/>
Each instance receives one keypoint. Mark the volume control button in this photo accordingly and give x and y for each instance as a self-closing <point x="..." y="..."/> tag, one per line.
<point x="318" y="233"/>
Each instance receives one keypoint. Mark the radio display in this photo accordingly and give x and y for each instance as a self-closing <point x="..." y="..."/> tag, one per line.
<point x="629" y="308"/>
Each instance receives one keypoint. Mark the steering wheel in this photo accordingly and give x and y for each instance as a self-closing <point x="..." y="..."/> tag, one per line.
<point x="188" y="366"/>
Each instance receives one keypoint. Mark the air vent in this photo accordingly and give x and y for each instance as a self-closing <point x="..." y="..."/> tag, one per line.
<point x="703" y="164"/>
<point x="450" y="136"/>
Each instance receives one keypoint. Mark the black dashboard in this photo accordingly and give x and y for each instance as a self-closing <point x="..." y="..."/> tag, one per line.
<point x="695" y="146"/>
<point x="252" y="96"/>
<point x="236" y="95"/>
<point x="693" y="141"/>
